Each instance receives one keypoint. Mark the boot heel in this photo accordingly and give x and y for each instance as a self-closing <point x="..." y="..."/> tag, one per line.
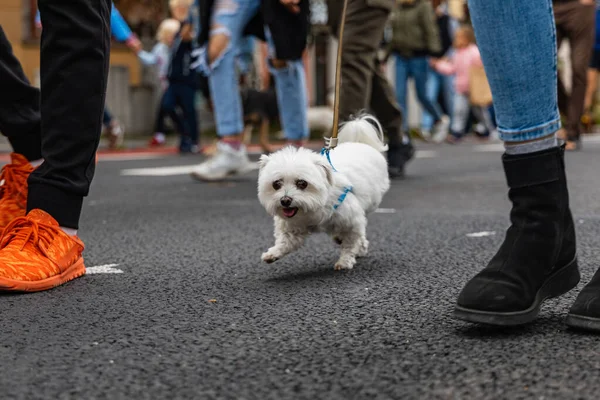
<point x="562" y="281"/>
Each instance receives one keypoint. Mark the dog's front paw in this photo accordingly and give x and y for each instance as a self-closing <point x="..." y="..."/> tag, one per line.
<point x="269" y="257"/>
<point x="339" y="266"/>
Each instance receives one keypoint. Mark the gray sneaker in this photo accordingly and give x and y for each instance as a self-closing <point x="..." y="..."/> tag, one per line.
<point x="227" y="161"/>
<point x="441" y="129"/>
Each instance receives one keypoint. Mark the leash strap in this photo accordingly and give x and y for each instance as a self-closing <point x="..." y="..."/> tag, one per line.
<point x="331" y="142"/>
<point x="347" y="189"/>
<point x="325" y="152"/>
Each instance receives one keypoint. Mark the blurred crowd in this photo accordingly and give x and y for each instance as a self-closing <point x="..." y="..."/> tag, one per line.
<point x="425" y="42"/>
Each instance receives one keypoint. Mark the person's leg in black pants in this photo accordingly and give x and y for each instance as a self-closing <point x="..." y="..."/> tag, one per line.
<point x="169" y="103"/>
<point x="20" y="122"/>
<point x="19" y="105"/>
<point x="41" y="250"/>
<point x="74" y="65"/>
<point x="186" y="96"/>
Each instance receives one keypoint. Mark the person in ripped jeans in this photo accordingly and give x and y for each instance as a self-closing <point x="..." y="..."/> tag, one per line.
<point x="283" y="24"/>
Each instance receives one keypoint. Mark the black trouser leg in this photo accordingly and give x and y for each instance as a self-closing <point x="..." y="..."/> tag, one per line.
<point x="19" y="105"/>
<point x="74" y="67"/>
<point x="187" y="98"/>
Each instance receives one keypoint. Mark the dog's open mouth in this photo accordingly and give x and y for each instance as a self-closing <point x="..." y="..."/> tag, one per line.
<point x="289" y="212"/>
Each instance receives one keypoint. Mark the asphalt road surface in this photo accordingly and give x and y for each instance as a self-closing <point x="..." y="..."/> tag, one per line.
<point x="177" y="305"/>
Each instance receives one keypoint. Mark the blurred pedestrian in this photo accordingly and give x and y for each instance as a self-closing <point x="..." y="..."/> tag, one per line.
<point x="415" y="38"/>
<point x="283" y="24"/>
<point x="160" y="56"/>
<point x="440" y="88"/>
<point x="462" y="64"/>
<point x="182" y="77"/>
<point x="594" y="68"/>
<point x="575" y="21"/>
<point x="363" y="84"/>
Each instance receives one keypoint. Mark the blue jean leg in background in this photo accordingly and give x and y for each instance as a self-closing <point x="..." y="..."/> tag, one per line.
<point x="290" y="86"/>
<point x="435" y="83"/>
<point x="402" y="74"/>
<point x="229" y="18"/>
<point x="419" y="69"/>
<point x="517" y="41"/>
<point x="245" y="54"/>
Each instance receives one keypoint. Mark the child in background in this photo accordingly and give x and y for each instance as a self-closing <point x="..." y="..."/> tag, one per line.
<point x="183" y="80"/>
<point x="466" y="56"/>
<point x="159" y="57"/>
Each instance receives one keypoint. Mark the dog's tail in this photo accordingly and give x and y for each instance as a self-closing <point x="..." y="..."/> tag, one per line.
<point x="366" y="129"/>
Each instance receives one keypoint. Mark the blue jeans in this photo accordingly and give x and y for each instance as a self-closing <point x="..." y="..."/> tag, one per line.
<point x="417" y="68"/>
<point x="229" y="18"/>
<point x="517" y="41"/>
<point x="245" y="54"/>
<point x="435" y="83"/>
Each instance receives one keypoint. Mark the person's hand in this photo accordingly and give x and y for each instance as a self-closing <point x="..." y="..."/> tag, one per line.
<point x="134" y="44"/>
<point x="433" y="62"/>
<point x="588" y="2"/>
<point x="291" y="5"/>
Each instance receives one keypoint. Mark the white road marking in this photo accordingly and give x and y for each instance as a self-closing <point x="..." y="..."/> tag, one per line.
<point x="385" y="211"/>
<point x="129" y="157"/>
<point x="186" y="169"/>
<point x="481" y="234"/>
<point x="104" y="269"/>
<point x="591" y="138"/>
<point x="165" y="171"/>
<point x="159" y="171"/>
<point x="426" y="154"/>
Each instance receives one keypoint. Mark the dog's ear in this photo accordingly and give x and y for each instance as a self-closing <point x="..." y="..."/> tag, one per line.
<point x="322" y="163"/>
<point x="263" y="160"/>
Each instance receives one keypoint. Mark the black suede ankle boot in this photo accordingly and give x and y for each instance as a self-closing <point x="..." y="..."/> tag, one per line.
<point x="538" y="259"/>
<point x="399" y="153"/>
<point x="585" y="312"/>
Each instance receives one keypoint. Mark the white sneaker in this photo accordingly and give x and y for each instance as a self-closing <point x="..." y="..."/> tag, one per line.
<point x="425" y="135"/>
<point x="226" y="161"/>
<point x="440" y="130"/>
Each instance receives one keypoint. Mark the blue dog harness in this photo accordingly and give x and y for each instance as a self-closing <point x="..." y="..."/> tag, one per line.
<point x="347" y="189"/>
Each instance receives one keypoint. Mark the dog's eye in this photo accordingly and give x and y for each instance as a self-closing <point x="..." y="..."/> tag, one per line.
<point x="277" y="185"/>
<point x="301" y="184"/>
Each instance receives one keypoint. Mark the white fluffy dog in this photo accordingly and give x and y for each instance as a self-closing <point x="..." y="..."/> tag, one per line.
<point x="306" y="192"/>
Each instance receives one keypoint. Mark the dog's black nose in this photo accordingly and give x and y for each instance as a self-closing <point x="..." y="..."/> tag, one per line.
<point x="286" y="201"/>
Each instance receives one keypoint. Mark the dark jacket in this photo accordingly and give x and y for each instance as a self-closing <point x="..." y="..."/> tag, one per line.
<point x="415" y="30"/>
<point x="289" y="31"/>
<point x="181" y="59"/>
